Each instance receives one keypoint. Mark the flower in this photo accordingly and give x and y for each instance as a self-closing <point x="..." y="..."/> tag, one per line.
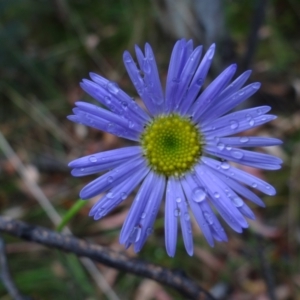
<point x="185" y="140"/>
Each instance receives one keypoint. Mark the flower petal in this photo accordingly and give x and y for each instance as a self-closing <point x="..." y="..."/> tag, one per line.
<point x="106" y="157"/>
<point x="197" y="81"/>
<point x="241" y="176"/>
<point x="209" y="95"/>
<point x="136" y="210"/>
<point x="118" y="194"/>
<point x="230" y="102"/>
<point x="111" y="178"/>
<point x="244" y="141"/>
<point x="216" y="189"/>
<point x="151" y="210"/>
<point x="171" y="215"/>
<point x="245" y="157"/>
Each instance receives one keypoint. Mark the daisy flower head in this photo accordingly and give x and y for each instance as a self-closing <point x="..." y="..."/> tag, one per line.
<point x="185" y="141"/>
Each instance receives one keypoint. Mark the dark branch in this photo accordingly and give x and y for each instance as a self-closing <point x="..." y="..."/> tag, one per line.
<point x="5" y="275"/>
<point x="117" y="260"/>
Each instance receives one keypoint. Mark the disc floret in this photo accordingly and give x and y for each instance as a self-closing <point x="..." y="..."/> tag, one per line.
<point x="171" y="144"/>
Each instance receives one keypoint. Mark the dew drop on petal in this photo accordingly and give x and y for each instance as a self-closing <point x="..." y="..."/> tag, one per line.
<point x="217" y="195"/>
<point x="113" y="87"/>
<point x="241" y="93"/>
<point x="254" y="185"/>
<point x="208" y="217"/>
<point x="187" y="216"/>
<point x="225" y="165"/>
<point x="110" y="179"/>
<point x="237" y="201"/>
<point x="143" y="216"/>
<point x="124" y="105"/>
<point x="199" y="81"/>
<point x="178" y="199"/>
<point x="244" y="139"/>
<point x="234" y="124"/>
<point x="82" y="169"/>
<point x="237" y="154"/>
<point x="228" y="148"/>
<point x="123" y="195"/>
<point x="93" y="159"/>
<point x="198" y="195"/>
<point x="220" y="146"/>
<point x="176" y="212"/>
<point x="109" y="195"/>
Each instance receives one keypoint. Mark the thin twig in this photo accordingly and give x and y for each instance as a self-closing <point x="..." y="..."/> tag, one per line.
<point x="53" y="215"/>
<point x="106" y="256"/>
<point x="6" y="277"/>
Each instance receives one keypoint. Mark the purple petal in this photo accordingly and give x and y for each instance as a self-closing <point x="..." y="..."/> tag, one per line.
<point x="216" y="190"/>
<point x="197" y="80"/>
<point x="245" y="157"/>
<point x="208" y="96"/>
<point x="171" y="215"/>
<point x="244" y="141"/>
<point x="241" y="176"/>
<point x="118" y="194"/>
<point x="151" y="210"/>
<point x="136" y="210"/>
<point x="111" y="178"/>
<point x="106" y="157"/>
<point x="230" y="102"/>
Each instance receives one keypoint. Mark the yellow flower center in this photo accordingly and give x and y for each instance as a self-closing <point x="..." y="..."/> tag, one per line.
<point x="172" y="145"/>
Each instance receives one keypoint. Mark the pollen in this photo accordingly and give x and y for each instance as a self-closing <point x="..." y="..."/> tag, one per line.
<point x="172" y="145"/>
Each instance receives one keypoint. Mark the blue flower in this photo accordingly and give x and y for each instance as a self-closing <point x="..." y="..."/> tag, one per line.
<point x="184" y="139"/>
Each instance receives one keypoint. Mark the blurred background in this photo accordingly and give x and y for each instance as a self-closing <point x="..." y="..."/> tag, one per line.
<point x="47" y="47"/>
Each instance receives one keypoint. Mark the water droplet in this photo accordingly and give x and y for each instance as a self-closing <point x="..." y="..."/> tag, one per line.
<point x="199" y="81"/>
<point x="149" y="230"/>
<point x="187" y="216"/>
<point x="237" y="201"/>
<point x="82" y="169"/>
<point x="110" y="179"/>
<point x="241" y="93"/>
<point x="244" y="139"/>
<point x="123" y="195"/>
<point x="124" y="105"/>
<point x="234" y="124"/>
<point x="198" y="195"/>
<point x="248" y="117"/>
<point x="267" y="187"/>
<point x="135" y="234"/>
<point x="176" y="80"/>
<point x="127" y="58"/>
<point x="228" y="148"/>
<point x="220" y="146"/>
<point x="113" y="87"/>
<point x="217" y="195"/>
<point x="176" y="212"/>
<point x="254" y="185"/>
<point x="251" y="122"/>
<point x="256" y="85"/>
<point x="259" y="111"/>
<point x="131" y="124"/>
<point x="143" y="216"/>
<point x="225" y="165"/>
<point x="237" y="154"/>
<point x="208" y="217"/>
<point x="178" y="199"/>
<point x="146" y="66"/>
<point x="93" y="159"/>
<point x="109" y="195"/>
<point x="107" y="100"/>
